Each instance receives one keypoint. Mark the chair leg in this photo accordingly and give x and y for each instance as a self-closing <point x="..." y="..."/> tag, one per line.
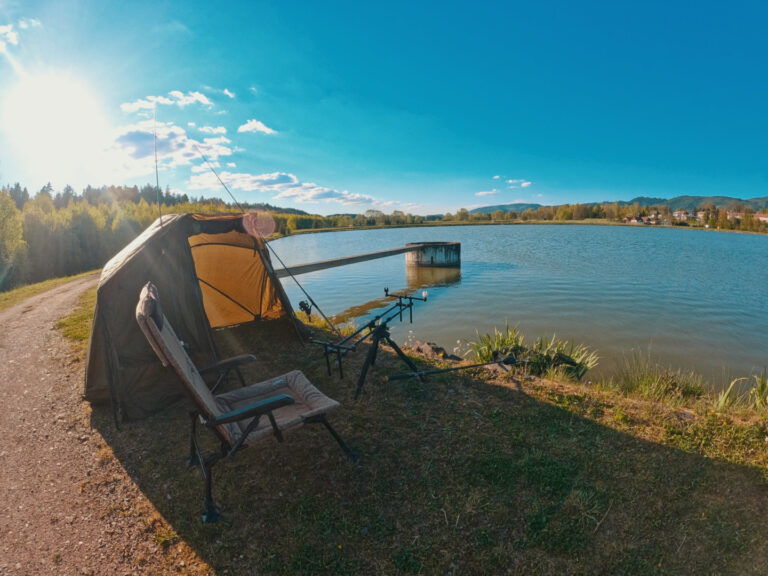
<point x="350" y="453"/>
<point x="194" y="457"/>
<point x="240" y="377"/>
<point x="211" y="512"/>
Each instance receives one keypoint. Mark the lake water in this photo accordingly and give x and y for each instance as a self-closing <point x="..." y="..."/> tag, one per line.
<point x="695" y="299"/>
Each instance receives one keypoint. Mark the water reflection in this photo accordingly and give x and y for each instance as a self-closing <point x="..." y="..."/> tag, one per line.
<point x="419" y="277"/>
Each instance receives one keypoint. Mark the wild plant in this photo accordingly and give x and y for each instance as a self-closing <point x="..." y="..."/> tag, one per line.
<point x="545" y="356"/>
<point x="727" y="397"/>
<point x="499" y="345"/>
<point x="642" y="376"/>
<point x="758" y="395"/>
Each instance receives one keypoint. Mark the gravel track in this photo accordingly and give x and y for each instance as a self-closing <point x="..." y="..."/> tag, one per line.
<point x="67" y="506"/>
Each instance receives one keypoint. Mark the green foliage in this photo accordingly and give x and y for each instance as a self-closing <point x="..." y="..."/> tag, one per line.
<point x="77" y="326"/>
<point x="643" y="377"/>
<point x="758" y="395"/>
<point x="499" y="345"/>
<point x="552" y="357"/>
<point x="60" y="234"/>
<point x="728" y="398"/>
<point x="13" y="249"/>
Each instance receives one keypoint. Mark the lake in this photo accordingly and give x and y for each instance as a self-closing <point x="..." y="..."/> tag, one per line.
<point x="694" y="299"/>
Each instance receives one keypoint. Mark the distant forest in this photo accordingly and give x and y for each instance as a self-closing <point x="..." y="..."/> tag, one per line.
<point x="59" y="233"/>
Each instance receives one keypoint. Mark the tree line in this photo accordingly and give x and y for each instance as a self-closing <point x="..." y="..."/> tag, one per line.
<point x="59" y="233"/>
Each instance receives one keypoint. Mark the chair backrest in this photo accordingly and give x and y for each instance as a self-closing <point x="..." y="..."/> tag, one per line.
<point x="170" y="351"/>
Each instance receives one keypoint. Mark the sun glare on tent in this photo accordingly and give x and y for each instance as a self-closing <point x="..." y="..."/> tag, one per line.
<point x="259" y="224"/>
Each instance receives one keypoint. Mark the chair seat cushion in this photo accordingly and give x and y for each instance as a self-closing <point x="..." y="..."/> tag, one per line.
<point x="309" y="401"/>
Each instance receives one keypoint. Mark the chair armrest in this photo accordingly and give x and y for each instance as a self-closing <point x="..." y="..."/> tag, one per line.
<point x="229" y="363"/>
<point x="255" y="409"/>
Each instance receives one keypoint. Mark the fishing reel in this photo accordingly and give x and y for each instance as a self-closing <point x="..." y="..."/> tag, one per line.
<point x="305" y="307"/>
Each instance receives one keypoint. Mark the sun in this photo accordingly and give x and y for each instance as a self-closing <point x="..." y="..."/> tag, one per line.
<point x="56" y="127"/>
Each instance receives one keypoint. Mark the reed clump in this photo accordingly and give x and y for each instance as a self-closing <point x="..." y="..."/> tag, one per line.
<point x="547" y="356"/>
<point x="641" y="376"/>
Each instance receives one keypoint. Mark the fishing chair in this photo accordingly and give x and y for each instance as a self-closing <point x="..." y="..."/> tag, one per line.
<point x="238" y="418"/>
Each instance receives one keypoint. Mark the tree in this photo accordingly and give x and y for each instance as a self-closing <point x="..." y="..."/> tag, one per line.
<point x="12" y="246"/>
<point x="61" y="199"/>
<point x="19" y="195"/>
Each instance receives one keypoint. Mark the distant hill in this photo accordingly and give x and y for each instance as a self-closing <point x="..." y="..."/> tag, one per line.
<point x="517" y="207"/>
<point x="676" y="203"/>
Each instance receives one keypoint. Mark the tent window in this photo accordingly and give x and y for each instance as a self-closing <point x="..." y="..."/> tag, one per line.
<point x="234" y="282"/>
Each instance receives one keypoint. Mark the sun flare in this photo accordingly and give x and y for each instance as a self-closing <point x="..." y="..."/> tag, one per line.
<point x="55" y="124"/>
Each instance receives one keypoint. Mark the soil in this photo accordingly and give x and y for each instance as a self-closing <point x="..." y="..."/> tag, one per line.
<point x="67" y="506"/>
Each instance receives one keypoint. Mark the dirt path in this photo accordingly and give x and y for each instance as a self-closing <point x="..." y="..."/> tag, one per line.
<point x="66" y="505"/>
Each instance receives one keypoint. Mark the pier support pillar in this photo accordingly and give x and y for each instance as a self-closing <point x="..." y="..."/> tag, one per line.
<point x="434" y="254"/>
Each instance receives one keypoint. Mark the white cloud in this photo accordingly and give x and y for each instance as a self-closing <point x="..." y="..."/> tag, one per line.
<point x="228" y="93"/>
<point x="174" y="98"/>
<point x="8" y="36"/>
<point x="191" y="124"/>
<point x="253" y="90"/>
<point x="231" y="165"/>
<point x="283" y="185"/>
<point x="518" y="183"/>
<point x="255" y="126"/>
<point x="487" y="192"/>
<point x="213" y="129"/>
<point x="135" y="146"/>
<point x="200" y="168"/>
<point x="25" y="23"/>
<point x="496" y="177"/>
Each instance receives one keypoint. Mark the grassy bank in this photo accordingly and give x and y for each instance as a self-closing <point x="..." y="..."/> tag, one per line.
<point x="475" y="472"/>
<point x="17" y="295"/>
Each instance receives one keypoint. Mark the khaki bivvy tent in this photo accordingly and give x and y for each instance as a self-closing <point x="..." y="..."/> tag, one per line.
<point x="211" y="273"/>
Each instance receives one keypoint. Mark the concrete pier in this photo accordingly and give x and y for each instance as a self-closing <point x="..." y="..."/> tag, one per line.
<point x="432" y="254"/>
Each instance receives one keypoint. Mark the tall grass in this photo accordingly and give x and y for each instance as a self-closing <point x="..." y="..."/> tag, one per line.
<point x="728" y="398"/>
<point x="758" y="395"/>
<point x="547" y="356"/>
<point x="497" y="346"/>
<point x="641" y="376"/>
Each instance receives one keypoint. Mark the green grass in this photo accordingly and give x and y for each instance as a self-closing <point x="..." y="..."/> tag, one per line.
<point x="77" y="326"/>
<point x="469" y="473"/>
<point x="640" y="376"/>
<point x="17" y="295"/>
<point x="549" y="357"/>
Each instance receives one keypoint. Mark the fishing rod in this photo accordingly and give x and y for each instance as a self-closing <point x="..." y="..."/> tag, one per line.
<point x="378" y="330"/>
<point x="157" y="172"/>
<point x="421" y="374"/>
<point x="350" y="343"/>
<point x="271" y="249"/>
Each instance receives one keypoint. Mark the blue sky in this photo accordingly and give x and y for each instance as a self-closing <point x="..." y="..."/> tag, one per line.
<point x="424" y="107"/>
